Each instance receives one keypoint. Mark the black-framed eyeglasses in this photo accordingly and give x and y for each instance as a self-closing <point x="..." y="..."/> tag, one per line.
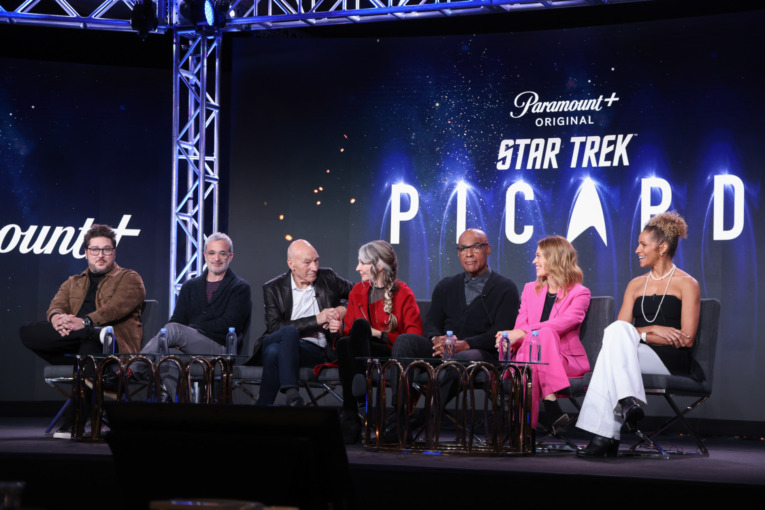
<point x="223" y="254"/>
<point x="94" y="251"/>
<point x="473" y="247"/>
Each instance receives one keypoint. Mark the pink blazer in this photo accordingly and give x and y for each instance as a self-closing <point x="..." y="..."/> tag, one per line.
<point x="565" y="320"/>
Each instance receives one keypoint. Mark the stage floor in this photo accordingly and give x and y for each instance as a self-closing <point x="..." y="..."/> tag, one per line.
<point x="403" y="480"/>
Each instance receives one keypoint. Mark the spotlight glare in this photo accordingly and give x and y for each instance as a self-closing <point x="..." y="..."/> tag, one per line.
<point x="209" y="12"/>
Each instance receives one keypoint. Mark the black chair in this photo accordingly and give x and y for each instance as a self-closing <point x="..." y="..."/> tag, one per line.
<point x="61" y="377"/>
<point x="669" y="386"/>
<point x="599" y="315"/>
<point x="247" y="378"/>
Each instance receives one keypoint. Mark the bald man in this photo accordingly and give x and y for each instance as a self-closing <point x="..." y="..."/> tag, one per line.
<point x="474" y="304"/>
<point x="303" y="307"/>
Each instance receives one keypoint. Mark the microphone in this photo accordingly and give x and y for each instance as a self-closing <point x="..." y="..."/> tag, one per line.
<point x="485" y="309"/>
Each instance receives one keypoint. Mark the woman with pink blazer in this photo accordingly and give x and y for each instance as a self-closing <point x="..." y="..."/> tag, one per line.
<point x="554" y="307"/>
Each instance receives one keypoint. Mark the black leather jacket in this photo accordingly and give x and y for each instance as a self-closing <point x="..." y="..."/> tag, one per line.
<point x="330" y="289"/>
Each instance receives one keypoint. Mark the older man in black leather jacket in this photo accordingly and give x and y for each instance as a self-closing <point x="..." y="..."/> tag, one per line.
<point x="302" y="308"/>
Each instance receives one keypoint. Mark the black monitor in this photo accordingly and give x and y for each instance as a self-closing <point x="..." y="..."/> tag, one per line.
<point x="273" y="455"/>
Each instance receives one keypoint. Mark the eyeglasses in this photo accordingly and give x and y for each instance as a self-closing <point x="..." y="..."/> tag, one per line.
<point x="94" y="251"/>
<point x="222" y="254"/>
<point x="473" y="247"/>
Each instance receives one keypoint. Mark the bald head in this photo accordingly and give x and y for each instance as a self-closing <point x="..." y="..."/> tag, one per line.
<point x="299" y="246"/>
<point x="473" y="248"/>
<point x="303" y="261"/>
<point x="476" y="234"/>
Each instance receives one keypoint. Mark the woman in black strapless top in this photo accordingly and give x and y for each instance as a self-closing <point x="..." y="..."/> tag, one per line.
<point x="653" y="335"/>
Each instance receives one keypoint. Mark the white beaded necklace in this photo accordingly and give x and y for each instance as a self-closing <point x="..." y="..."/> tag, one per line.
<point x="672" y="270"/>
<point x="642" y="303"/>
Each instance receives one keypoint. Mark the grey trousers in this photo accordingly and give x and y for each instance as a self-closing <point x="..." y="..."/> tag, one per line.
<point x="185" y="339"/>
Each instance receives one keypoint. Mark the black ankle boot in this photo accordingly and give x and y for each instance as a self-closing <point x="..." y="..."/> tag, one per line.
<point x="599" y="448"/>
<point x="632" y="413"/>
<point x="555" y="419"/>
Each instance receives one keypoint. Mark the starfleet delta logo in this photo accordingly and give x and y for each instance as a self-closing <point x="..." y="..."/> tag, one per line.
<point x="593" y="151"/>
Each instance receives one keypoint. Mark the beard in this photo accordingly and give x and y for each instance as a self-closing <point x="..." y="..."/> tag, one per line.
<point x="95" y="270"/>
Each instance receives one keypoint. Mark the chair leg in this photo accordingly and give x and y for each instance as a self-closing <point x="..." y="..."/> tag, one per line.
<point x="325" y="389"/>
<point x="58" y="415"/>
<point x="679" y="416"/>
<point x="242" y="385"/>
<point x="654" y="451"/>
<point x="331" y="391"/>
<point x="542" y="446"/>
<point x="311" y="396"/>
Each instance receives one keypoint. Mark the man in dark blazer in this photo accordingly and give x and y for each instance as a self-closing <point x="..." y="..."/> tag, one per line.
<point x="303" y="309"/>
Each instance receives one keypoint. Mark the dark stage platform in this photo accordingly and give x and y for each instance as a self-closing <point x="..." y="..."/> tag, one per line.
<point x="68" y="474"/>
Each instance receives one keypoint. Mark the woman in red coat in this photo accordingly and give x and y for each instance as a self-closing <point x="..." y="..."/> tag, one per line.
<point x="552" y="310"/>
<point x="379" y="309"/>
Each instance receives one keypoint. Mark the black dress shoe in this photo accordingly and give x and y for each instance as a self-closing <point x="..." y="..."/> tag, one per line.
<point x="632" y="413"/>
<point x="599" y="448"/>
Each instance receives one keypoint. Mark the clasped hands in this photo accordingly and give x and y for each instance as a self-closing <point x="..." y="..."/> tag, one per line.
<point x="65" y="323"/>
<point x="331" y="319"/>
<point x="674" y="337"/>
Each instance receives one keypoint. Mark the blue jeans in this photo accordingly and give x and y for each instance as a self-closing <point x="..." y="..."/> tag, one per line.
<point x="283" y="355"/>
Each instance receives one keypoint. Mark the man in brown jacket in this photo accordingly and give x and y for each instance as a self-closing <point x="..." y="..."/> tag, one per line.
<point x="103" y="295"/>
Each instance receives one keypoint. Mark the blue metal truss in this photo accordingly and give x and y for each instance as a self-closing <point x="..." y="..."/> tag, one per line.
<point x="263" y="14"/>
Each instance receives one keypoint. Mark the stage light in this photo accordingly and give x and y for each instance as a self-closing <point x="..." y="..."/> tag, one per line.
<point x="144" y="18"/>
<point x="206" y="13"/>
<point x="209" y="12"/>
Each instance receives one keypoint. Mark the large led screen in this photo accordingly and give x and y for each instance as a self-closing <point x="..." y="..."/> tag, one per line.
<point x="584" y="132"/>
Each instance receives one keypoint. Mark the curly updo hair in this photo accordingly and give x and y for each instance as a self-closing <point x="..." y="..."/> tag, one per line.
<point x="381" y="253"/>
<point x="667" y="227"/>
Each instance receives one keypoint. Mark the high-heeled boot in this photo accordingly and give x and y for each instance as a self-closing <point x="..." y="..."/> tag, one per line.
<point x="555" y="419"/>
<point x="599" y="448"/>
<point x="632" y="413"/>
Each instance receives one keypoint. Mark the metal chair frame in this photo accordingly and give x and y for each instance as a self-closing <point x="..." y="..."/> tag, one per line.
<point x="309" y="382"/>
<point x="703" y="351"/>
<point x="63" y="383"/>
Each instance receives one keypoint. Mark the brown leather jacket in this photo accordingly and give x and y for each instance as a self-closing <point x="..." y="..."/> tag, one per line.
<point x="119" y="300"/>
